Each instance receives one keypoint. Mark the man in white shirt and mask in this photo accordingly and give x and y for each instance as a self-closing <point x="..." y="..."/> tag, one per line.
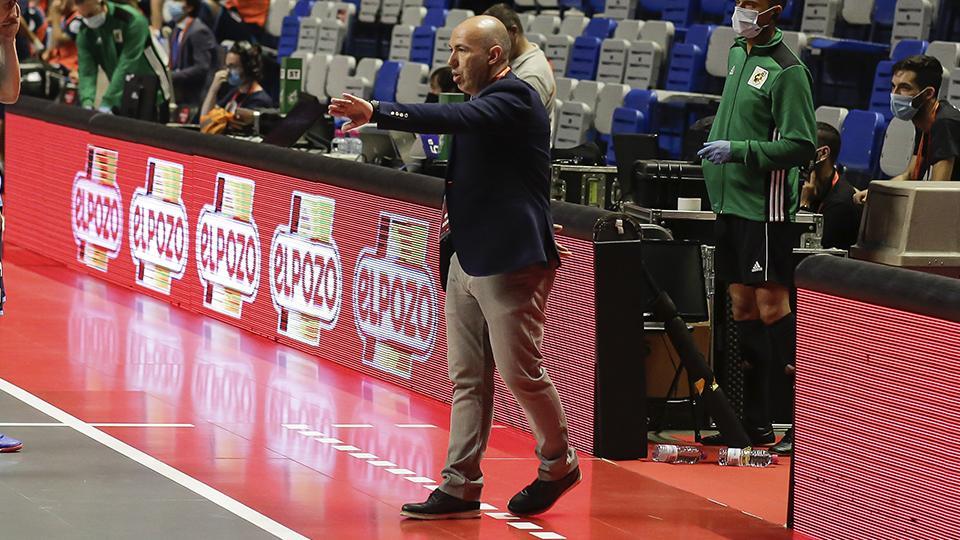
<point x="527" y="60"/>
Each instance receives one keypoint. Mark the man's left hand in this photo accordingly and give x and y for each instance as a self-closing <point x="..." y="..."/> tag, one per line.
<point x="716" y="152"/>
<point x="10" y="24"/>
<point x="357" y="110"/>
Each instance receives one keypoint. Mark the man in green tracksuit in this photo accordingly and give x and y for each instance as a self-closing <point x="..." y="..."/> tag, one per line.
<point x="764" y="130"/>
<point x="117" y="38"/>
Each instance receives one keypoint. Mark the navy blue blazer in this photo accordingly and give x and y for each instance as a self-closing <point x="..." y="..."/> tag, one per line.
<point x="194" y="63"/>
<point x="498" y="177"/>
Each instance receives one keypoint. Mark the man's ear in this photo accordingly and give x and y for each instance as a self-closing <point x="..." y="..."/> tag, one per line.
<point x="772" y="14"/>
<point x="495" y="55"/>
<point x="823" y="153"/>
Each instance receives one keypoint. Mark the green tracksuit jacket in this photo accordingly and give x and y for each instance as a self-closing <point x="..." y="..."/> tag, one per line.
<point x="118" y="46"/>
<point x="766" y="112"/>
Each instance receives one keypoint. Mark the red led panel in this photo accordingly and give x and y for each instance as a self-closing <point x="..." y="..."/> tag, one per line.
<point x="343" y="275"/>
<point x="877" y="422"/>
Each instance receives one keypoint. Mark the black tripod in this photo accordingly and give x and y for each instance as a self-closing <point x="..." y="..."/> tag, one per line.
<point x="700" y="375"/>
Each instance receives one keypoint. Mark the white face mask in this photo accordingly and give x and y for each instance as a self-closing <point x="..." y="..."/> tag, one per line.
<point x="95" y="21"/>
<point x="745" y="22"/>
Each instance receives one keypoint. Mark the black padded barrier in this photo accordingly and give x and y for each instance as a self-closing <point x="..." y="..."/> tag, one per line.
<point x="577" y="220"/>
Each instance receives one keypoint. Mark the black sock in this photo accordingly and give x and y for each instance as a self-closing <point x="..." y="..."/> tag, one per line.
<point x="755" y="351"/>
<point x="783" y="339"/>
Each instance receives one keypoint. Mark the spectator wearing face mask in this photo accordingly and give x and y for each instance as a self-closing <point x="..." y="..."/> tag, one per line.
<point x="826" y="192"/>
<point x="238" y="85"/>
<point x="915" y="87"/>
<point x="116" y="38"/>
<point x="192" y="51"/>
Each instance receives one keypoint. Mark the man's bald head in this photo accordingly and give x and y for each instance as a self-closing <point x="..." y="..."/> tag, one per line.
<point x="480" y="49"/>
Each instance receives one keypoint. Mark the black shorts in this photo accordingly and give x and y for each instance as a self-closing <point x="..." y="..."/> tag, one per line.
<point x="753" y="252"/>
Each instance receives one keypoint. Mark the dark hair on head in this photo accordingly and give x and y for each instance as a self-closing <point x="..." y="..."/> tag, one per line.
<point x="251" y="60"/>
<point x="444" y="78"/>
<point x="928" y="69"/>
<point x="828" y="136"/>
<point x="194" y="6"/>
<point x="506" y="15"/>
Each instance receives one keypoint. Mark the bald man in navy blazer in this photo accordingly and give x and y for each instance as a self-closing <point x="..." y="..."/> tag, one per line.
<point x="504" y="263"/>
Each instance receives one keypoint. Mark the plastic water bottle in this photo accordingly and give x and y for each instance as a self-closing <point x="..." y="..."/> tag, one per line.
<point x="339" y="145"/>
<point x="355" y="145"/>
<point x="745" y="457"/>
<point x="672" y="453"/>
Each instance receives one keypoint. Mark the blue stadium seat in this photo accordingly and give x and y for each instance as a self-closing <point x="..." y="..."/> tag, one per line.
<point x="699" y="35"/>
<point x="883" y="12"/>
<point x="436" y="17"/>
<point x="637" y="115"/>
<point x="573" y="4"/>
<point x="715" y="8"/>
<point x="385" y="85"/>
<point x="584" y="54"/>
<point x="687" y="68"/>
<point x="907" y="48"/>
<point x="421" y="46"/>
<point x="682" y="13"/>
<point x="302" y="8"/>
<point x="861" y="139"/>
<point x="880" y="97"/>
<point x="600" y="27"/>
<point x="439" y="4"/>
<point x="289" y="34"/>
<point x="652" y="7"/>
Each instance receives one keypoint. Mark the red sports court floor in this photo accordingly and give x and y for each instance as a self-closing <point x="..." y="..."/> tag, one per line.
<point x="319" y="449"/>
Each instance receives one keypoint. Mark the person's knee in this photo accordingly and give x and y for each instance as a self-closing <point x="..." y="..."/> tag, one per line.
<point x="743" y="303"/>
<point x="773" y="303"/>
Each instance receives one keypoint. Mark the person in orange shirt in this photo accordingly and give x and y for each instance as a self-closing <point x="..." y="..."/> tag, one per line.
<point x="253" y="19"/>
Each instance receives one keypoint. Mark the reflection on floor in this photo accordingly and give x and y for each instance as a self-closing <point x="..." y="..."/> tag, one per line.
<point x="321" y="449"/>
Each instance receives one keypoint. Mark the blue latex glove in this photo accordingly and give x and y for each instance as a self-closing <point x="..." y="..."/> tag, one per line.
<point x="716" y="152"/>
<point x="104" y="109"/>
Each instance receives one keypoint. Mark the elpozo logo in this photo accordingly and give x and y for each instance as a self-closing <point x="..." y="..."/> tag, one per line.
<point x="228" y="247"/>
<point x="159" y="231"/>
<point x="306" y="277"/>
<point x="395" y="304"/>
<point x="98" y="209"/>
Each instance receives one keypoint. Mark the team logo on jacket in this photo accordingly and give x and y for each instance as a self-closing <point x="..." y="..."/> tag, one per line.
<point x="98" y="209"/>
<point x="228" y="247"/>
<point x="758" y="78"/>
<point x="395" y="302"/>
<point x="306" y="279"/>
<point x="159" y="235"/>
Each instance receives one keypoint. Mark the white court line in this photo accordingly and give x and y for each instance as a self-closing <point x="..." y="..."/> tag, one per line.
<point x="549" y="536"/>
<point x="419" y="479"/>
<point x="525" y="526"/>
<point x="484" y="507"/>
<point x="353" y="425"/>
<point x="328" y="440"/>
<point x="382" y="463"/>
<point x="401" y="472"/>
<point x="363" y="455"/>
<point x="416" y="426"/>
<point x="310" y="433"/>
<point x="431" y="487"/>
<point x="220" y="499"/>
<point x="295" y="426"/>
<point x="61" y="424"/>
<point x="502" y="515"/>
<point x="346" y="448"/>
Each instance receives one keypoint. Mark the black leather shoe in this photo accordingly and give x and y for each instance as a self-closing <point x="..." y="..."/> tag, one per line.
<point x="785" y="446"/>
<point x="758" y="437"/>
<point x="439" y="505"/>
<point x="541" y="495"/>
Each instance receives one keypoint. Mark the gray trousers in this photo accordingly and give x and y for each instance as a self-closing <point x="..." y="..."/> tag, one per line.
<point x="498" y="321"/>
